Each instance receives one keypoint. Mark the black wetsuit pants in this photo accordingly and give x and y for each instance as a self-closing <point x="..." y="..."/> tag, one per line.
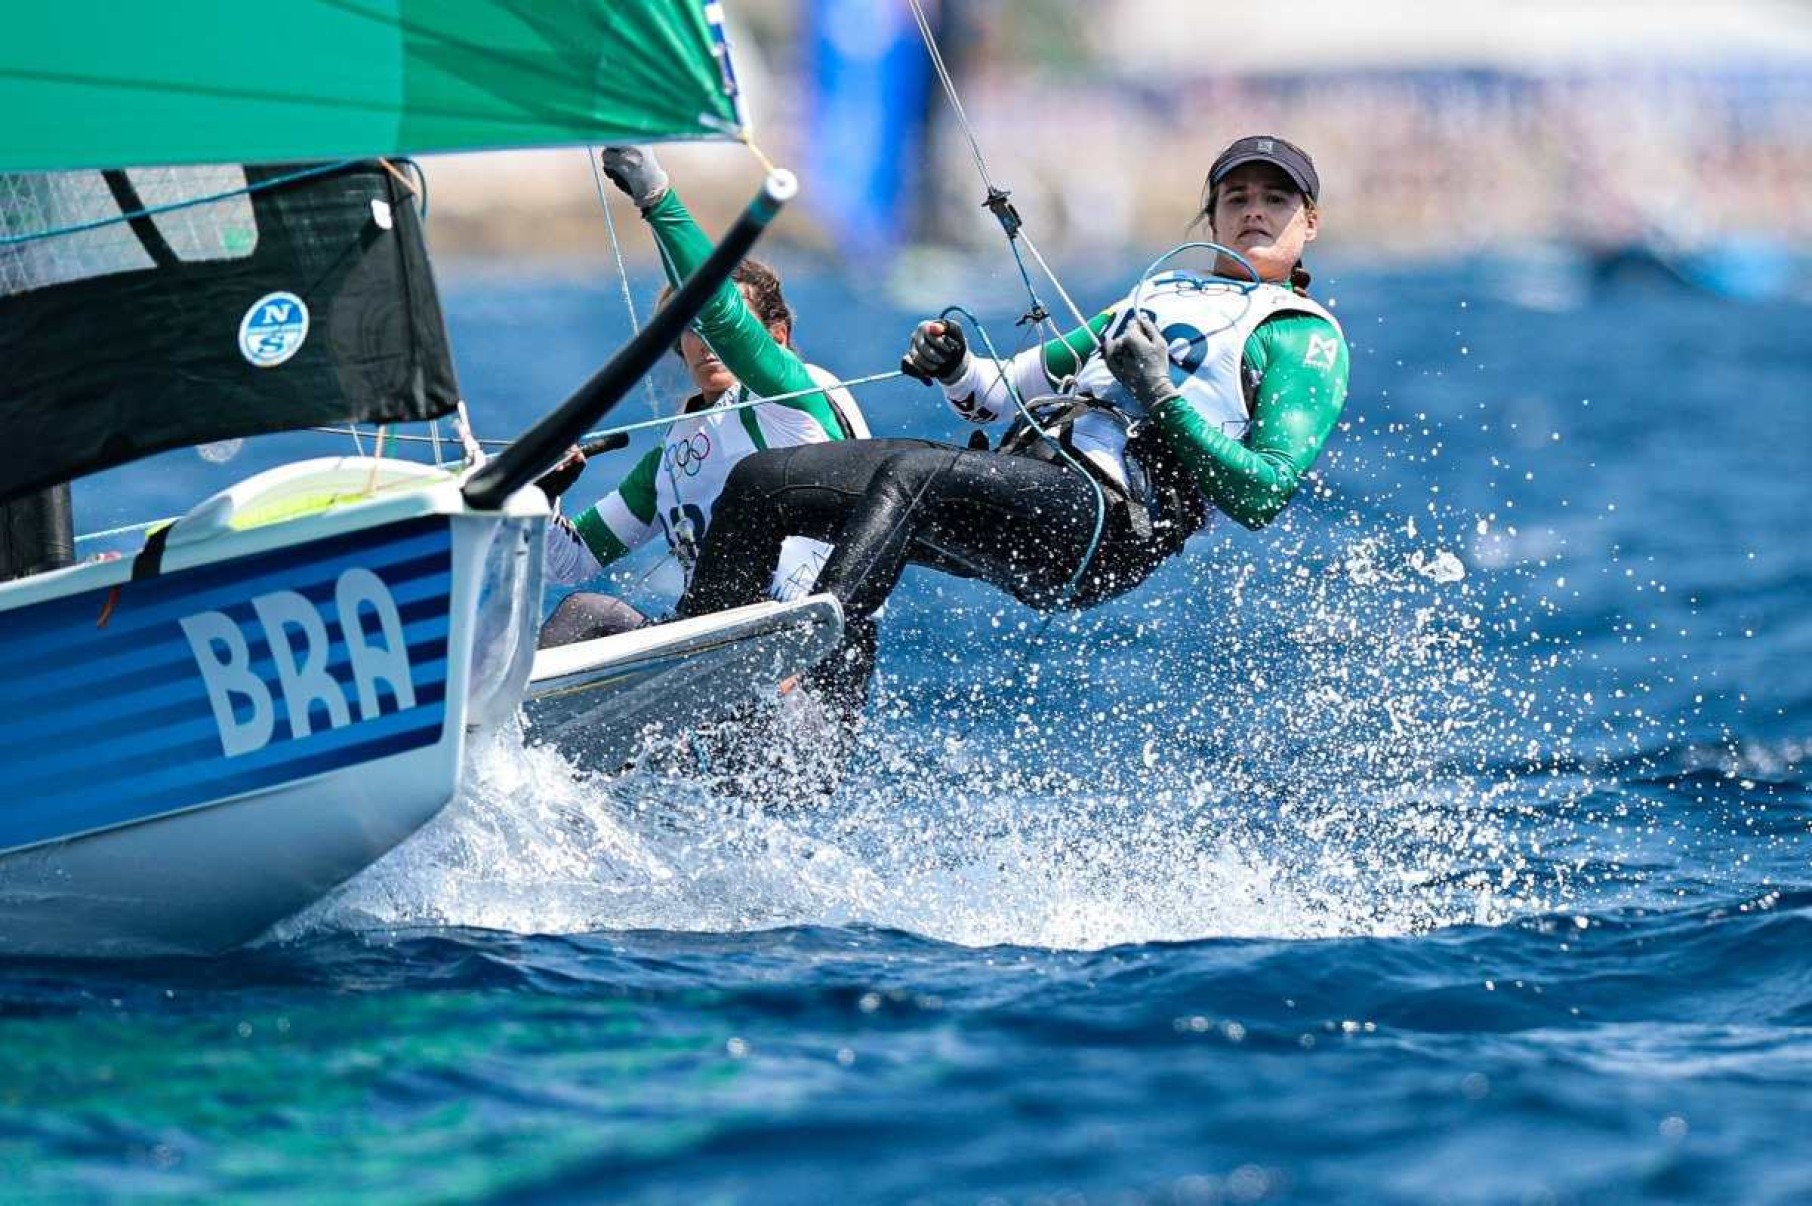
<point x="1017" y="522"/>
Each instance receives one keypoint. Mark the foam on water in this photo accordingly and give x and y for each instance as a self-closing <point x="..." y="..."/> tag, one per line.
<point x="1333" y="766"/>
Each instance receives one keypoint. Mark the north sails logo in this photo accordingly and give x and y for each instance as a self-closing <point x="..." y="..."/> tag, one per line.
<point x="302" y="647"/>
<point x="273" y="329"/>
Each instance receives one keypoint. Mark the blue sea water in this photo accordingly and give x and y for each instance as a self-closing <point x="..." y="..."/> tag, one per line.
<point x="1447" y="843"/>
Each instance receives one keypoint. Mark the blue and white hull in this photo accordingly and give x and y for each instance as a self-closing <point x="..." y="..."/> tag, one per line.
<point x="195" y="752"/>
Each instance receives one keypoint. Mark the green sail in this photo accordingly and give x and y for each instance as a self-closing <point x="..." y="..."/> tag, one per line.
<point x="94" y="83"/>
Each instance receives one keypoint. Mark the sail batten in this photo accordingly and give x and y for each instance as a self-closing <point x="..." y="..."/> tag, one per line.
<point x="92" y="84"/>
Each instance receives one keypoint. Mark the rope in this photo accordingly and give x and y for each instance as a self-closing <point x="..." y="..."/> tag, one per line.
<point x="767" y="165"/>
<point x="997" y="201"/>
<point x="376" y="463"/>
<point x="127" y="530"/>
<point x="1094" y="540"/>
<point x="1058" y="285"/>
<point x="171" y="207"/>
<point x="1011" y="223"/>
<point x="616" y="249"/>
<point x="1021" y="652"/>
<point x="943" y="74"/>
<point x="371" y="490"/>
<point x="414" y="180"/>
<point x="468" y="441"/>
<point x="408" y="184"/>
<point x="667" y="420"/>
<point x="393" y="437"/>
<point x="654" y="406"/>
<point x="659" y="421"/>
<point x="1151" y="268"/>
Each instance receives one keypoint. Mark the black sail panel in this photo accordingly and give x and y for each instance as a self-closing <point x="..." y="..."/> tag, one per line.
<point x="301" y="297"/>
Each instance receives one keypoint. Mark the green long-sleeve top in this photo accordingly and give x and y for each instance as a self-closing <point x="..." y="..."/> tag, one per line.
<point x="640" y="504"/>
<point x="1301" y="390"/>
<point x="735" y="332"/>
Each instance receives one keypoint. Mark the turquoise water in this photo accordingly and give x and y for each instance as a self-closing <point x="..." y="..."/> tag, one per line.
<point x="1448" y="843"/>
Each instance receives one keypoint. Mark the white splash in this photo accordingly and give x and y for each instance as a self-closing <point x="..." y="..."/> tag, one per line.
<point x="1295" y="778"/>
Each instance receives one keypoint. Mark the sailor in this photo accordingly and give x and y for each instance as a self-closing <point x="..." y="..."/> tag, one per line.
<point x="1196" y="392"/>
<point x="741" y="350"/>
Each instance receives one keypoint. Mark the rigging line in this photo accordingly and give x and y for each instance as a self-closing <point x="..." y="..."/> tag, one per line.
<point x="1061" y="291"/>
<point x="376" y="460"/>
<point x="408" y="185"/>
<point x="643" y="425"/>
<point x="468" y="442"/>
<point x="997" y="197"/>
<point x="616" y="248"/>
<point x="321" y="169"/>
<point x="1021" y="652"/>
<point x="127" y="530"/>
<point x="1145" y="278"/>
<point x="372" y="489"/>
<point x="392" y="437"/>
<point x="1094" y="540"/>
<point x="658" y="421"/>
<point x="943" y="74"/>
<point x="395" y="437"/>
<point x="767" y="165"/>
<point x="150" y="238"/>
<point x="663" y="559"/>
<point x="667" y="420"/>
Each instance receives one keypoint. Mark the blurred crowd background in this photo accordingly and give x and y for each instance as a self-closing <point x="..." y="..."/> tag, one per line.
<point x="1675" y="131"/>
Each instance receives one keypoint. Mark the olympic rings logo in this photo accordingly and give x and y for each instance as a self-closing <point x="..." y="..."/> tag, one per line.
<point x="688" y="456"/>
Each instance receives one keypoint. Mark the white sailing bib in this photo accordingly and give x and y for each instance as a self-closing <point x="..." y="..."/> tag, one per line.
<point x="700" y="451"/>
<point x="1206" y="321"/>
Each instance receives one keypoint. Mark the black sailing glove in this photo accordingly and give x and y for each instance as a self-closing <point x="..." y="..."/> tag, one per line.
<point x="637" y="172"/>
<point x="938" y="350"/>
<point x="1140" y="360"/>
<point x="560" y="478"/>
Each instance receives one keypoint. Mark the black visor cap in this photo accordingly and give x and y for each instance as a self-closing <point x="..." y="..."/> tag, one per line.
<point x="1289" y="158"/>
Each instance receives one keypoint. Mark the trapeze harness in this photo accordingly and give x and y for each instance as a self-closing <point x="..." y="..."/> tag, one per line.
<point x="1151" y="495"/>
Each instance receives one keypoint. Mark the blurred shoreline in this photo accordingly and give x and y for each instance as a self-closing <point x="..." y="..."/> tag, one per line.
<point x="1458" y="148"/>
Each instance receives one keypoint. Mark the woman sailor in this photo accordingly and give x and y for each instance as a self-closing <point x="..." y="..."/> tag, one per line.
<point x="1193" y="392"/>
<point x="741" y="349"/>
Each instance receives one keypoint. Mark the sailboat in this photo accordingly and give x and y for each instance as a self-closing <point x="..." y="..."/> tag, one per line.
<point x="281" y="685"/>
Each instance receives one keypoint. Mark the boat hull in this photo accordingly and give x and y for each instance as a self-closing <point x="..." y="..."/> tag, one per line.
<point x="216" y="876"/>
<point x="196" y="752"/>
<point x="600" y="701"/>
